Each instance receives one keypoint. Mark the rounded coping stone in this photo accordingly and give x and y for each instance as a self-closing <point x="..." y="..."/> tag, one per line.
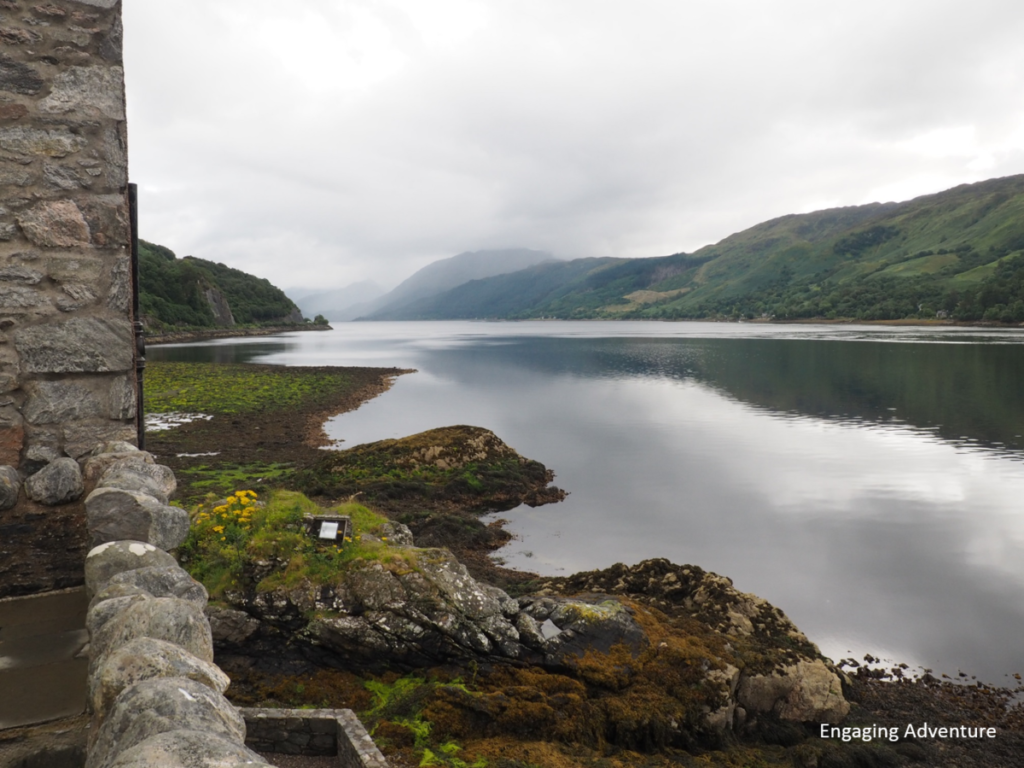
<point x="194" y="749"/>
<point x="160" y="705"/>
<point x="113" y="557"/>
<point x="137" y="476"/>
<point x="115" y="514"/>
<point x="103" y="611"/>
<point x="162" y="618"/>
<point x="147" y="658"/>
<point x="93" y="467"/>
<point x="156" y="581"/>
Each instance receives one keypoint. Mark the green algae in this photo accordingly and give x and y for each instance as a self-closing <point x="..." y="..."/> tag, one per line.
<point x="236" y="388"/>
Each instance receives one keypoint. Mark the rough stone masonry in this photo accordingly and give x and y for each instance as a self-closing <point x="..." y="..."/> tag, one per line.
<point x="66" y="338"/>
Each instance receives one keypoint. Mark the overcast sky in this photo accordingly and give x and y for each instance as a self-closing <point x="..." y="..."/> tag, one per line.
<point x="322" y="142"/>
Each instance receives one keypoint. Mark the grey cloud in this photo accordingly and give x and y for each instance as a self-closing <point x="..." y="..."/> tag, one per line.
<point x="584" y="128"/>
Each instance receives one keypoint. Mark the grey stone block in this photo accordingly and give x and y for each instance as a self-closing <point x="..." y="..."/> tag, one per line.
<point x="56" y="483"/>
<point x="88" y="92"/>
<point x="79" y="345"/>
<point x="55" y="402"/>
<point x="113" y="514"/>
<point x="154" y="480"/>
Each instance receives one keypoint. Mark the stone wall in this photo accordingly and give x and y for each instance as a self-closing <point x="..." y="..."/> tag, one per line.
<point x="154" y="695"/>
<point x="66" y="339"/>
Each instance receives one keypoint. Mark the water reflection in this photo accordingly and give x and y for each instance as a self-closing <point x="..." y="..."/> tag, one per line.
<point x="870" y="489"/>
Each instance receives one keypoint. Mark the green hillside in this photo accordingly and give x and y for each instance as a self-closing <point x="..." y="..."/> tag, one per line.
<point x="187" y="292"/>
<point x="955" y="254"/>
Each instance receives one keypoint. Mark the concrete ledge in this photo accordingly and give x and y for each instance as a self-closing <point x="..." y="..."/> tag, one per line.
<point x="312" y="732"/>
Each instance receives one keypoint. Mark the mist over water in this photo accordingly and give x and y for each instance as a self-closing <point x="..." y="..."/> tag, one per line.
<point x="868" y="481"/>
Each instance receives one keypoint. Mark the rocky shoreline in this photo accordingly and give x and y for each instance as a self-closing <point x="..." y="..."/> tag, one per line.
<point x="181" y="337"/>
<point x="633" y="665"/>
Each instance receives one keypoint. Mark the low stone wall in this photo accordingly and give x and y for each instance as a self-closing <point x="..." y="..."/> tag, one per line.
<point x="314" y="732"/>
<point x="155" y="697"/>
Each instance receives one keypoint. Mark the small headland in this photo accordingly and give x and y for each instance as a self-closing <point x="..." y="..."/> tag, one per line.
<point x="207" y="334"/>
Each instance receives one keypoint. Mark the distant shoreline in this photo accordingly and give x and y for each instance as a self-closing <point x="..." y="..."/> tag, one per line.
<point x="179" y="337"/>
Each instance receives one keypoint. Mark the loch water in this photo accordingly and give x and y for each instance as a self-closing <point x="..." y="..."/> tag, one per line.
<point x="869" y="481"/>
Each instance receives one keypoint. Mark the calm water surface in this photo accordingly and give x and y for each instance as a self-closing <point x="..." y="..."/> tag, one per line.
<point x="868" y="481"/>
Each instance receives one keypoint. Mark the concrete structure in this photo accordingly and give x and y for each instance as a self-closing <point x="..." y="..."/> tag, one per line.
<point x="67" y="349"/>
<point x="312" y="732"/>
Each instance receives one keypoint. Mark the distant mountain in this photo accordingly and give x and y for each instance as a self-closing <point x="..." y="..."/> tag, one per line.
<point x="197" y="293"/>
<point x="339" y="304"/>
<point x="448" y="273"/>
<point x="956" y="254"/>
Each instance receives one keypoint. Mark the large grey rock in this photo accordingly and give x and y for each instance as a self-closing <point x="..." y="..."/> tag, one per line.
<point x="187" y="749"/>
<point x="154" y="480"/>
<point x="146" y="659"/>
<point x="56" y="483"/>
<point x="10" y="487"/>
<point x="54" y="402"/>
<point x="78" y="345"/>
<point x="808" y="691"/>
<point x="230" y="626"/>
<point x="162" y="705"/>
<point x="107" y="560"/>
<point x="155" y="581"/>
<point x="88" y="92"/>
<point x="113" y="514"/>
<point x="94" y="466"/>
<point x="434" y="612"/>
<point x="161" y="618"/>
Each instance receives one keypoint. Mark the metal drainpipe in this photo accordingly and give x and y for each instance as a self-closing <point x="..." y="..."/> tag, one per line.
<point x="140" y="333"/>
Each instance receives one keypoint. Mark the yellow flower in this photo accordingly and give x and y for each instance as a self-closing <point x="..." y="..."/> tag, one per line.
<point x="221" y="508"/>
<point x="218" y="528"/>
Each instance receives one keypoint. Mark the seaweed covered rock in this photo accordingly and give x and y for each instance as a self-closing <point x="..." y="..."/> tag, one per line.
<point x="715" y="660"/>
<point x="460" y="467"/>
<point x="782" y="673"/>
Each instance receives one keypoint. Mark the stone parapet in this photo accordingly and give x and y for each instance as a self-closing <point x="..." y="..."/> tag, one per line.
<point x="154" y="695"/>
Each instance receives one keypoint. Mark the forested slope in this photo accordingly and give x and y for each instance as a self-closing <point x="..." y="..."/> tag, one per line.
<point x="194" y="293"/>
<point x="955" y="254"/>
